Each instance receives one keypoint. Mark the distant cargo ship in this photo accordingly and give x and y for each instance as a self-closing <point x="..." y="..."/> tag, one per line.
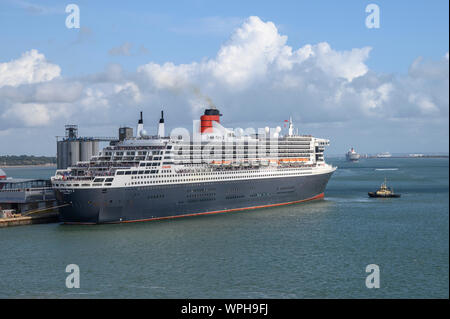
<point x="155" y="177"/>
<point x="351" y="155"/>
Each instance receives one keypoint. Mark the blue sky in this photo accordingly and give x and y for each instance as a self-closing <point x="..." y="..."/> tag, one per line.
<point x="186" y="32"/>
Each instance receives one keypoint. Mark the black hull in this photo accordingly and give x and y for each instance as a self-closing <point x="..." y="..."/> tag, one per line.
<point x="127" y="204"/>
<point x="383" y="196"/>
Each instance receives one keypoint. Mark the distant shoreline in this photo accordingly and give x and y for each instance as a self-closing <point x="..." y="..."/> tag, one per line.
<point x="424" y="156"/>
<point x="376" y="157"/>
<point x="28" y="165"/>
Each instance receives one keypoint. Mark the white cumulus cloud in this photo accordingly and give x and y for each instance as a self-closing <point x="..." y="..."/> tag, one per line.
<point x="254" y="51"/>
<point x="256" y="79"/>
<point x="31" y="67"/>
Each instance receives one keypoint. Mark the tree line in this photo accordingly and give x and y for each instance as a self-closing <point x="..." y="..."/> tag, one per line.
<point x="26" y="160"/>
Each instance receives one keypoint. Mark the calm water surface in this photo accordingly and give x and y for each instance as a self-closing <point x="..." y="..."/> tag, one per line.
<point x="311" y="250"/>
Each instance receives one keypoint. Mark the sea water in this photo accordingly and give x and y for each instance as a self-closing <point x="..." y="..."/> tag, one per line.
<point x="311" y="250"/>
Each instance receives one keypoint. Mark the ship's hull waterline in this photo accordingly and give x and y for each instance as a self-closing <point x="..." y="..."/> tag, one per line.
<point x="143" y="203"/>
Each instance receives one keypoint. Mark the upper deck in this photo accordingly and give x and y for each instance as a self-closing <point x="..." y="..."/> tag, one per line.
<point x="216" y="148"/>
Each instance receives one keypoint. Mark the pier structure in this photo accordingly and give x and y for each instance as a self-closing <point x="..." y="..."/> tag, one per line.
<point x="27" y="201"/>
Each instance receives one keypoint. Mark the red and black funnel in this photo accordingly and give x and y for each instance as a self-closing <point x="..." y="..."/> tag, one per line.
<point x="206" y="120"/>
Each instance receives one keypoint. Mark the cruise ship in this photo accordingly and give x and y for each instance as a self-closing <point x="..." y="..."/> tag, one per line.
<point x="216" y="170"/>
<point x="352" y="156"/>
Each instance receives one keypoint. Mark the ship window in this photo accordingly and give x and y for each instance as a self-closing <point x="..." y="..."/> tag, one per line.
<point x="109" y="180"/>
<point x="128" y="173"/>
<point x="120" y="173"/>
<point x="135" y="172"/>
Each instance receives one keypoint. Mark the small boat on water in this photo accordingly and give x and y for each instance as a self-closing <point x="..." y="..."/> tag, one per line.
<point x="384" y="192"/>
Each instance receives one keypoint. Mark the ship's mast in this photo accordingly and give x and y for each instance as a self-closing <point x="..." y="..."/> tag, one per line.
<point x="291" y="127"/>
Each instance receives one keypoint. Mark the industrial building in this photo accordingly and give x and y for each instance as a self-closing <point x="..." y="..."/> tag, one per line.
<point x="72" y="148"/>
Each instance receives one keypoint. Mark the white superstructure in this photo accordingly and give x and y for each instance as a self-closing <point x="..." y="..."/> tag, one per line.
<point x="213" y="154"/>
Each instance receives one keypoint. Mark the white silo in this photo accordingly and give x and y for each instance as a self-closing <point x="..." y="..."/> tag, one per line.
<point x="74" y="152"/>
<point x="85" y="150"/>
<point x="95" y="148"/>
